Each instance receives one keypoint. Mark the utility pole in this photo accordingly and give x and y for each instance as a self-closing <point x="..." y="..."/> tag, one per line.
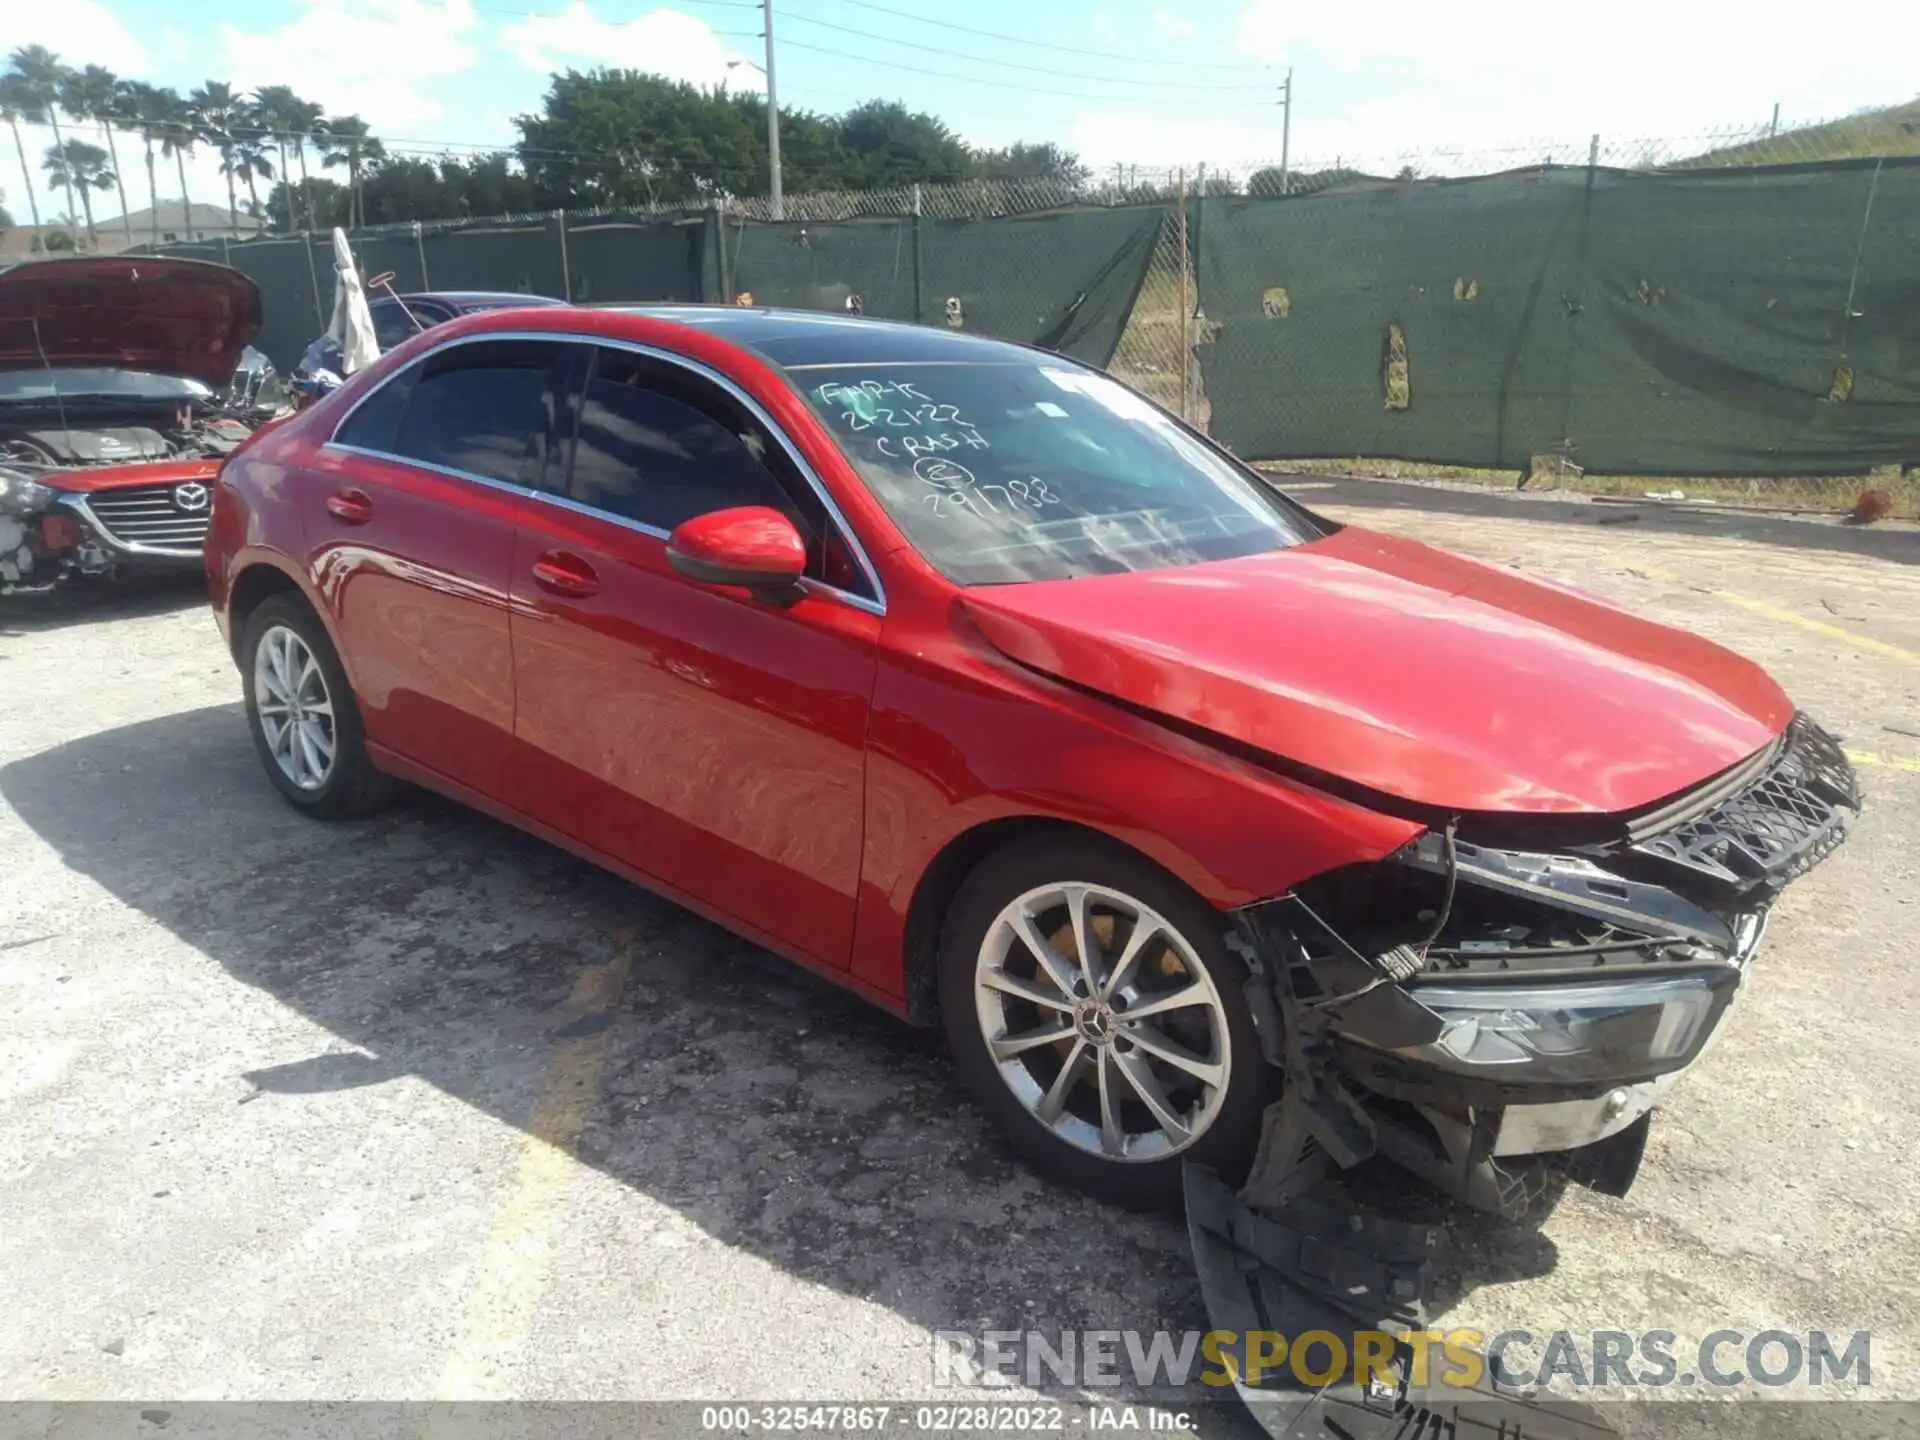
<point x="773" y="118"/>
<point x="1774" y="129"/>
<point x="1286" y="128"/>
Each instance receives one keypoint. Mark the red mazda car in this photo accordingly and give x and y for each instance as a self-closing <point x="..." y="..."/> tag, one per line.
<point x="958" y="672"/>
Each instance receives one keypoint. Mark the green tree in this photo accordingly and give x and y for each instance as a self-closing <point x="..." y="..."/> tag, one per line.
<point x="217" y="113"/>
<point x="1023" y="161"/>
<point x="83" y="167"/>
<point x="40" y="77"/>
<point x="347" y="142"/>
<point x="174" y="119"/>
<point x="17" y="104"/>
<point x="292" y="123"/>
<point x="94" y="94"/>
<point x="886" y="144"/>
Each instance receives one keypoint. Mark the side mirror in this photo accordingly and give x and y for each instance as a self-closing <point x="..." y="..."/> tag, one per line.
<point x="751" y="545"/>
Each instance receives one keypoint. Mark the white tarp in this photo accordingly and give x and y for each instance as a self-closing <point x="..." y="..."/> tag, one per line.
<point x="352" y="327"/>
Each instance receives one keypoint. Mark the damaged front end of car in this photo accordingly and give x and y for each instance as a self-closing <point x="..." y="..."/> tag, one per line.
<point x="1500" y="1003"/>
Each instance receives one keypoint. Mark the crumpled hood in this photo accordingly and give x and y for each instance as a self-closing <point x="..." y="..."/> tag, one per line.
<point x="1406" y="670"/>
<point x="131" y="312"/>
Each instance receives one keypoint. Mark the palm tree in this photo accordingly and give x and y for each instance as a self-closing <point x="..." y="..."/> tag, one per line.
<point x="177" y="140"/>
<point x="78" y="165"/>
<point x="249" y="160"/>
<point x="143" y="107"/>
<point x="17" y="105"/>
<point x="217" y="113"/>
<point x="94" y="94"/>
<point x="273" y="107"/>
<point x="41" y="77"/>
<point x="308" y="123"/>
<point x="348" y="143"/>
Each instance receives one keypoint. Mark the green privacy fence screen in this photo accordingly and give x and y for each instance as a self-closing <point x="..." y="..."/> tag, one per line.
<point x="1761" y="321"/>
<point x="1066" y="280"/>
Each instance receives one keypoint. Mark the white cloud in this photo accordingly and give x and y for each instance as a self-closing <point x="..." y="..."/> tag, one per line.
<point x="368" y="57"/>
<point x="80" y="32"/>
<point x="662" y="42"/>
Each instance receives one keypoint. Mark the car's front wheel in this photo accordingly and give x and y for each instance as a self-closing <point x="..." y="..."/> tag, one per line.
<point x="306" y="726"/>
<point x="1097" y="1015"/>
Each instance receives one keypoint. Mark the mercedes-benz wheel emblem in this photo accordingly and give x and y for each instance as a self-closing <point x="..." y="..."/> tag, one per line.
<point x="191" y="497"/>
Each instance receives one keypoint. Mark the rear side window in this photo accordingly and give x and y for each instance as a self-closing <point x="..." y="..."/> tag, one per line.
<point x="393" y="326"/>
<point x="479" y="409"/>
<point x="375" y="424"/>
<point x="646" y="453"/>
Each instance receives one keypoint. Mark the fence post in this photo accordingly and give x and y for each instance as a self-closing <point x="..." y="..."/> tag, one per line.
<point x="1186" y="349"/>
<point x="313" y="274"/>
<point x="919" y="313"/>
<point x="420" y="249"/>
<point x="566" y="271"/>
<point x="720" y="238"/>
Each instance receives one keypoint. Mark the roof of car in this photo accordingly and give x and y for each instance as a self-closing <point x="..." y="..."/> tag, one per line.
<point x="473" y="299"/>
<point x="795" y="339"/>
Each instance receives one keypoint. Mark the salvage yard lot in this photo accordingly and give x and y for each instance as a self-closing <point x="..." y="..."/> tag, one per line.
<point x="422" y="1107"/>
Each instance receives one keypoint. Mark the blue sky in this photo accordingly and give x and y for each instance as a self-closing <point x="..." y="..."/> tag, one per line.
<point x="1462" y="86"/>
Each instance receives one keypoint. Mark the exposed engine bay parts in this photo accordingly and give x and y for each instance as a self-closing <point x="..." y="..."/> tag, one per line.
<point x="124" y="382"/>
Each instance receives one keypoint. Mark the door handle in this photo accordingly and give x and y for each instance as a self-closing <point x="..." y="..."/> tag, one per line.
<point x="562" y="574"/>
<point x="350" y="507"/>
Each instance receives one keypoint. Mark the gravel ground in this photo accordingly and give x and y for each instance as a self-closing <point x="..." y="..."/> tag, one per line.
<point x="420" y="1107"/>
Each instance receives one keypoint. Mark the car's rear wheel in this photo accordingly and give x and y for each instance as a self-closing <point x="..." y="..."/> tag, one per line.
<point x="1097" y="1015"/>
<point x="306" y="726"/>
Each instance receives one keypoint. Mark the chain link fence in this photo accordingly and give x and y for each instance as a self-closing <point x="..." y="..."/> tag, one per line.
<point x="1544" y="313"/>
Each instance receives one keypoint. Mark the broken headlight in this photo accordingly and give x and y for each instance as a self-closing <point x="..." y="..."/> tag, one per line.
<point x="21" y="494"/>
<point x="1620" y="1031"/>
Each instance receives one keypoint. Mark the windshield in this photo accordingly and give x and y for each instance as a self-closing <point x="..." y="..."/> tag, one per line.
<point x="28" y="386"/>
<point x="1023" y="468"/>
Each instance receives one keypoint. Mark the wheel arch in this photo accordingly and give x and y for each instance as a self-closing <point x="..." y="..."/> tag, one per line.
<point x="943" y="876"/>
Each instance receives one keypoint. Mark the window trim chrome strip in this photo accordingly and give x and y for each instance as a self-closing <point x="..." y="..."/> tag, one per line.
<point x="876" y="605"/>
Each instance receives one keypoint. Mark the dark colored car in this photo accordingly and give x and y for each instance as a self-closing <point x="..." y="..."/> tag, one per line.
<point x="398" y="318"/>
<point x="958" y="672"/>
<point x="124" y="381"/>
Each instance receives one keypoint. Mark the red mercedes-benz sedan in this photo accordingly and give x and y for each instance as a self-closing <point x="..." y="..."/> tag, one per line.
<point x="958" y="672"/>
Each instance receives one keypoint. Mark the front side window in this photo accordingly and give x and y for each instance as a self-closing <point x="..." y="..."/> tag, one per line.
<point x="1029" y="468"/>
<point x="478" y="409"/>
<point x="393" y="326"/>
<point x="659" y="445"/>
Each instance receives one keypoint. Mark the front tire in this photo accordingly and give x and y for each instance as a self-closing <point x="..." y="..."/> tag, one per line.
<point x="306" y="726"/>
<point x="1097" y="1016"/>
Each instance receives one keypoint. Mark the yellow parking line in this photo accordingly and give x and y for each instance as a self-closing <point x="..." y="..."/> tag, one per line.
<point x="1818" y="627"/>
<point x="512" y="1268"/>
<point x="1887" y="762"/>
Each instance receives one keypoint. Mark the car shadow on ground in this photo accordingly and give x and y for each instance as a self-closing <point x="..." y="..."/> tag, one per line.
<point x="774" y="1111"/>
<point x="98" y="602"/>
<point x="1894" y="541"/>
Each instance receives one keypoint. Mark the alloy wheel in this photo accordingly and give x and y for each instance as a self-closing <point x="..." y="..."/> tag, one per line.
<point x="1102" y="1021"/>
<point x="294" y="708"/>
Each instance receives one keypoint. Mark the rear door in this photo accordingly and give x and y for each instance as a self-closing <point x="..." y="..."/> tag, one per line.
<point x="709" y="739"/>
<point x="410" y="513"/>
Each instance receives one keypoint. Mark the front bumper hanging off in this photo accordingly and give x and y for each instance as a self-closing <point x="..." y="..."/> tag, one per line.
<point x="1493" y="1018"/>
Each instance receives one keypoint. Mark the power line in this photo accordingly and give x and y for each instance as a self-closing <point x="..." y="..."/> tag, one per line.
<point x="1028" y="40"/>
<point x="1036" y="69"/>
<point x="1019" y="85"/>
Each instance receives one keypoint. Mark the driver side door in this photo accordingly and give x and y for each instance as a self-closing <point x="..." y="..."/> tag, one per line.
<point x="709" y="738"/>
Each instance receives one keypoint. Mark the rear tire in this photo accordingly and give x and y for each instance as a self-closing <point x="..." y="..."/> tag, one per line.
<point x="1109" y="1081"/>
<point x="306" y="726"/>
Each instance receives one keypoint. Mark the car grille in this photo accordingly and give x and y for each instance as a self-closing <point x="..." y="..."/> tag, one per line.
<point x="147" y="515"/>
<point x="1779" y="824"/>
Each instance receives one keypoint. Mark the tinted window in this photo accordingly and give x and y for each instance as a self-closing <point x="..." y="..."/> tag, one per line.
<point x="375" y="425"/>
<point x="391" y="325"/>
<point x="479" y="409"/>
<point x="1032" y="468"/>
<point x="649" y="448"/>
